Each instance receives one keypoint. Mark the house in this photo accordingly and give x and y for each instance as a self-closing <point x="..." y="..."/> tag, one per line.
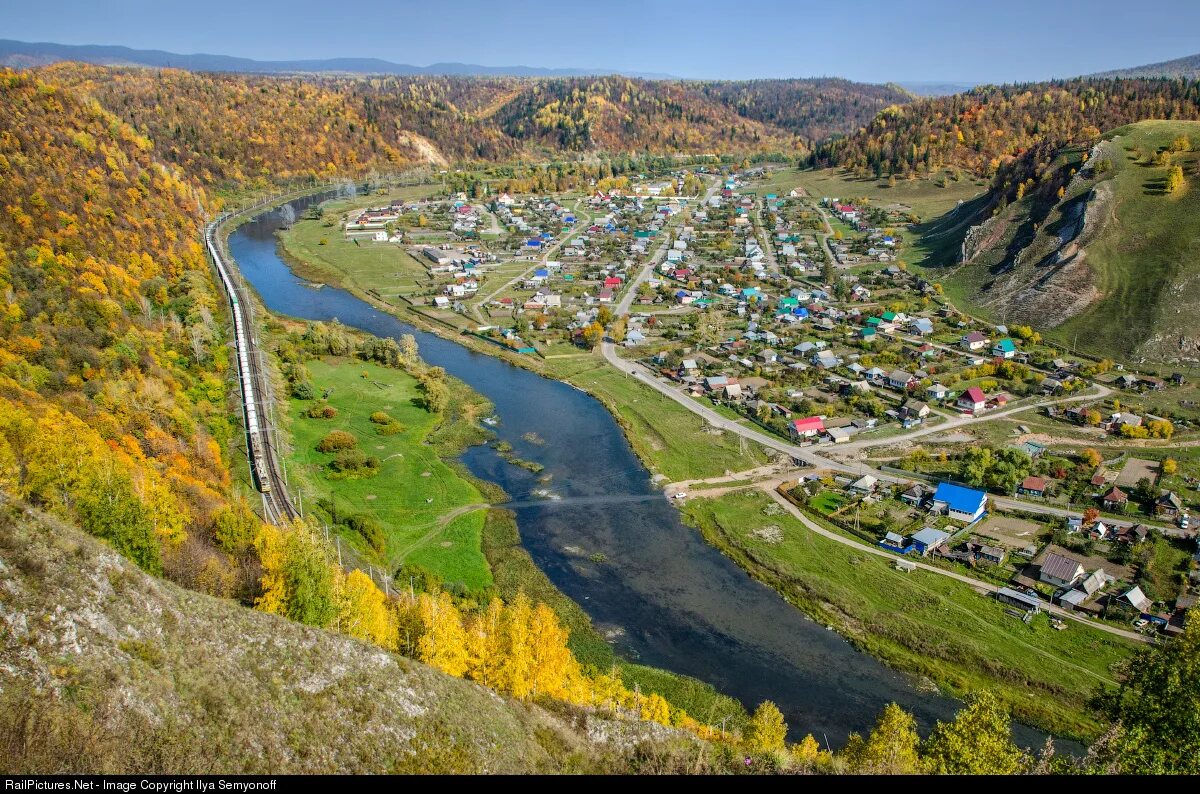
<point x="914" y="495"/>
<point x="1032" y="486"/>
<point x="922" y="326"/>
<point x="809" y="427"/>
<point x="1005" y="348"/>
<point x="1060" y="571"/>
<point x="1095" y="582"/>
<point x="899" y="379"/>
<point x="838" y="435"/>
<point x="897" y="543"/>
<point x="1137" y="599"/>
<point x="1133" y="534"/>
<point x="972" y="400"/>
<point x="959" y="502"/>
<point x="1115" y="500"/>
<point x="914" y="409"/>
<point x="1168" y="505"/>
<point x="928" y="539"/>
<point x="991" y="554"/>
<point x="825" y="359"/>
<point x="974" y="341"/>
<point x="1026" y="601"/>
<point x="863" y="485"/>
<point x="1099" y="531"/>
<point x="937" y="392"/>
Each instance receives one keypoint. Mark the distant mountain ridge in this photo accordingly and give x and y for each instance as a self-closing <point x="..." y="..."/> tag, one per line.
<point x="24" y="55"/>
<point x="1187" y="67"/>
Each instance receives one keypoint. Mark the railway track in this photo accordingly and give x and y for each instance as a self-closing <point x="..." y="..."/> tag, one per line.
<point x="253" y="383"/>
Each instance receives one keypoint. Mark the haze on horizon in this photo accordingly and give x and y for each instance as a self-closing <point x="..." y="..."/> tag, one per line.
<point x="929" y="41"/>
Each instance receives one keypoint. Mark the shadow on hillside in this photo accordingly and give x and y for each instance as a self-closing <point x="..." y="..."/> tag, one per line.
<point x="942" y="237"/>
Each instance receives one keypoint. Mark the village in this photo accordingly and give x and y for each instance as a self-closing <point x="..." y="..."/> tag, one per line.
<point x="798" y="316"/>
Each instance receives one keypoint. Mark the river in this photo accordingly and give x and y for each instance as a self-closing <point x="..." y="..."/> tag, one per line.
<point x="666" y="597"/>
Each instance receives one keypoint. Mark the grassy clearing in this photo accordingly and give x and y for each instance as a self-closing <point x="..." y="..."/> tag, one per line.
<point x="384" y="267"/>
<point x="918" y="622"/>
<point x="1142" y="264"/>
<point x="829" y="502"/>
<point x="667" y="437"/>
<point x="923" y="196"/>
<point x="415" y="493"/>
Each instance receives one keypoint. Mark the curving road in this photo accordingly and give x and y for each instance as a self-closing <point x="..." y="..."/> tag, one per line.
<point x="986" y="587"/>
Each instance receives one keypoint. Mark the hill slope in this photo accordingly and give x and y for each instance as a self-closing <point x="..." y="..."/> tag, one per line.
<point x="1187" y="67"/>
<point x="988" y="128"/>
<point x="1113" y="264"/>
<point x="105" y="669"/>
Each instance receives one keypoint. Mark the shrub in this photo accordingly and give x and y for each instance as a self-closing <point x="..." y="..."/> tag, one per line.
<point x="336" y="441"/>
<point x="321" y="411"/>
<point x="381" y="418"/>
<point x="353" y="462"/>
<point x="370" y="529"/>
<point x="302" y="390"/>
<point x="391" y="429"/>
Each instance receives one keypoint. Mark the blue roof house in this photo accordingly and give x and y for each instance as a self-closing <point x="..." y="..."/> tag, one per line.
<point x="960" y="502"/>
<point x="928" y="539"/>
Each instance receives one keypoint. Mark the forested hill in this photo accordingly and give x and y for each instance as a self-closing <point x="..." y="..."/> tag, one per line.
<point x="814" y="109"/>
<point x="1187" y="67"/>
<point x="228" y="126"/>
<point x="985" y="128"/>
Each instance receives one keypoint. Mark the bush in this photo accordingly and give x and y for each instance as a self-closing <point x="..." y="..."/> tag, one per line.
<point x="370" y="529"/>
<point x="391" y="429"/>
<point x="381" y="418"/>
<point x="336" y="441"/>
<point x="321" y="411"/>
<point x="353" y="462"/>
<point x="302" y="390"/>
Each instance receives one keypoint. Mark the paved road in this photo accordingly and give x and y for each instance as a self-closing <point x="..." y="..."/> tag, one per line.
<point x="580" y="225"/>
<point x="627" y="299"/>
<point x="818" y="456"/>
<point x="986" y="587"/>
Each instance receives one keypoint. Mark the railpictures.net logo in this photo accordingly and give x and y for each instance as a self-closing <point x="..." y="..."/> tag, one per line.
<point x="127" y="786"/>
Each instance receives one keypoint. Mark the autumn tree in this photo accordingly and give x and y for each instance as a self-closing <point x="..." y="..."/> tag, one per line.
<point x="1175" y="180"/>
<point x="593" y="335"/>
<point x="1169" y="466"/>
<point x="766" y="730"/>
<point x="891" y="747"/>
<point x="1157" y="708"/>
<point x="363" y="612"/>
<point x="978" y="741"/>
<point x="443" y="642"/>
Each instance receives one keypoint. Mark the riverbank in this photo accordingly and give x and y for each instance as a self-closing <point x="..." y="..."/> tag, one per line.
<point x="940" y="631"/>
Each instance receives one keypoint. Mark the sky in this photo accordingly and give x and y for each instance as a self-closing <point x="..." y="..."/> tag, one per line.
<point x="968" y="41"/>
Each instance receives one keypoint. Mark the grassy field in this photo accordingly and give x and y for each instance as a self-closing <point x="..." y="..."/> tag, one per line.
<point x="922" y="196"/>
<point x="384" y="267"/>
<point x="921" y="623"/>
<point x="415" y="493"/>
<point x="667" y="437"/>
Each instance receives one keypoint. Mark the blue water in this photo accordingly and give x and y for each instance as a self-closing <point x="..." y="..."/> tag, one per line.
<point x="669" y="599"/>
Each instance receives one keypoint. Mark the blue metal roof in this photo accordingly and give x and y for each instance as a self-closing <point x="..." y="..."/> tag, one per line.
<point x="959" y="498"/>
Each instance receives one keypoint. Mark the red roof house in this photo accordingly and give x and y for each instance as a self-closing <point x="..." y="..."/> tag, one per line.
<point x="807" y="428"/>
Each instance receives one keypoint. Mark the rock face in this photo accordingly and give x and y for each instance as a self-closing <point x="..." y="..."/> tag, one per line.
<point x="106" y="669"/>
